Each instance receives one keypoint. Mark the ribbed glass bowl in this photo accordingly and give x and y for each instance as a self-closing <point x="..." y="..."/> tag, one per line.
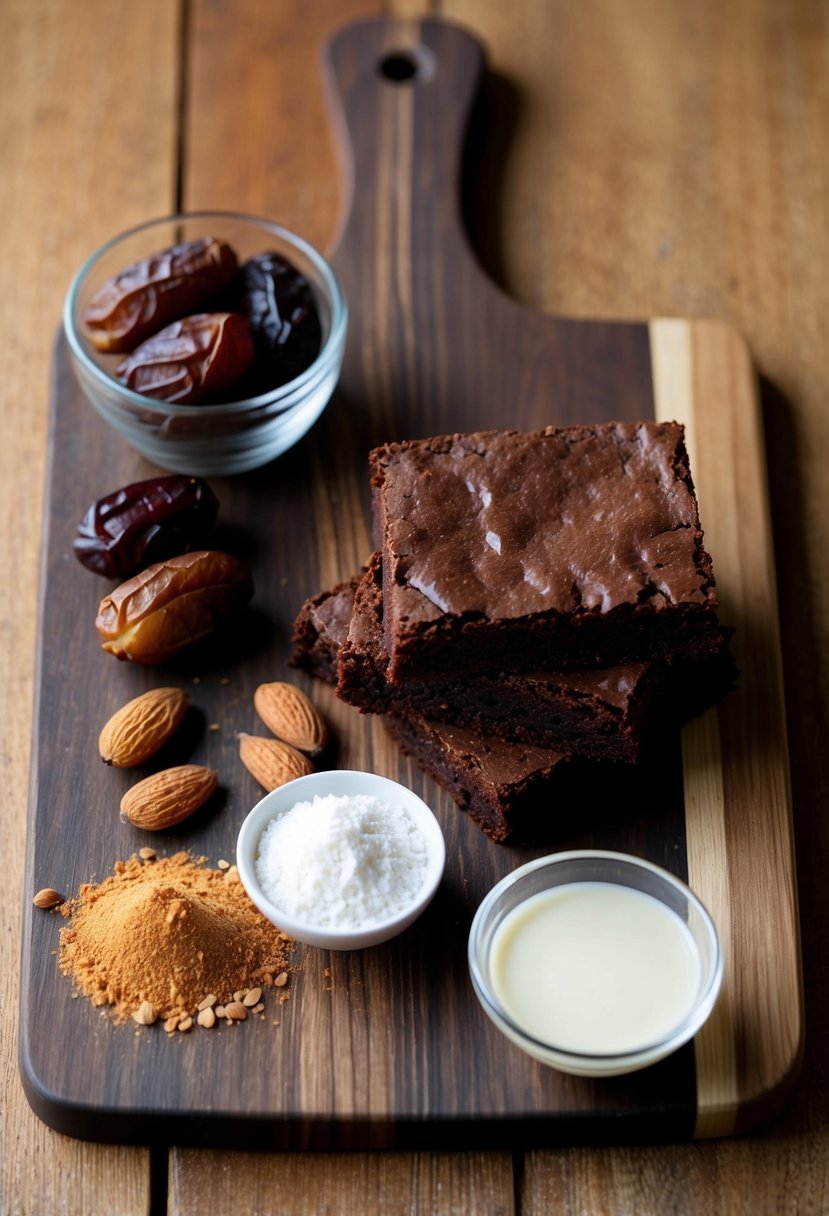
<point x="214" y="439"/>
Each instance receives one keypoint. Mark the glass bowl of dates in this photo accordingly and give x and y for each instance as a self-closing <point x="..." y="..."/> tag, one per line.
<point x="211" y="341"/>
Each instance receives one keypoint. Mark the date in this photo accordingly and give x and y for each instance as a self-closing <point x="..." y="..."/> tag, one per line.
<point x="279" y="303"/>
<point x="172" y="604"/>
<point x="143" y="523"/>
<point x="147" y="295"/>
<point x="191" y="360"/>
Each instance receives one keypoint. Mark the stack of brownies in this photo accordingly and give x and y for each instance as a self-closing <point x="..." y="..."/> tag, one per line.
<point x="535" y="600"/>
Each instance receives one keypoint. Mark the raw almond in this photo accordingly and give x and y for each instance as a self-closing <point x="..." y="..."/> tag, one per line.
<point x="138" y="729"/>
<point x="287" y="712"/>
<point x="272" y="762"/>
<point x="47" y="898"/>
<point x="168" y="797"/>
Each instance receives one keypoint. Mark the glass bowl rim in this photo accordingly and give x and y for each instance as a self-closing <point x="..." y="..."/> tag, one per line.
<point x="681" y="1033"/>
<point x="164" y="409"/>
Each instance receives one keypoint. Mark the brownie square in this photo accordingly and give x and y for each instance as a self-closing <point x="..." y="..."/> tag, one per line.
<point x="571" y="547"/>
<point x="501" y="785"/>
<point x="599" y="715"/>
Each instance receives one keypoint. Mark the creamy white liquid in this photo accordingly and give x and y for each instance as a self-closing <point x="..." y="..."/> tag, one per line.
<point x="595" y="968"/>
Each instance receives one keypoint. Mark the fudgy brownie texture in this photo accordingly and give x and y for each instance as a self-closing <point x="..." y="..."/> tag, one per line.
<point x="321" y="629"/>
<point x="598" y="715"/>
<point x="501" y="785"/>
<point x="508" y="789"/>
<point x="572" y="547"/>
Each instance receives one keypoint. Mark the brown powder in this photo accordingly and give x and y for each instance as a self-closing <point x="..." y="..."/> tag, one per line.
<point x="169" y="932"/>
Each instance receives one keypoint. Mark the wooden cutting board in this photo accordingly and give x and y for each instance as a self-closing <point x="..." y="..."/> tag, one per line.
<point x="388" y="1047"/>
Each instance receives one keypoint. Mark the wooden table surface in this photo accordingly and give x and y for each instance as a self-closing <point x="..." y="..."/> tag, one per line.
<point x="646" y="158"/>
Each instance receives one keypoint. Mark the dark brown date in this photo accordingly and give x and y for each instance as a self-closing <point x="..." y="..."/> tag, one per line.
<point x="192" y="359"/>
<point x="284" y="321"/>
<point x="149" y="294"/>
<point x="143" y="523"/>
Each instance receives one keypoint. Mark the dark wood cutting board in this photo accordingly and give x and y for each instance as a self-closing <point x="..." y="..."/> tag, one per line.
<point x="388" y="1047"/>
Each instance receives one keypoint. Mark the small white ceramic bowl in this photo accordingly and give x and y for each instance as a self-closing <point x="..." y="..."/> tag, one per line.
<point x="340" y="783"/>
<point x="215" y="439"/>
<point x="594" y="867"/>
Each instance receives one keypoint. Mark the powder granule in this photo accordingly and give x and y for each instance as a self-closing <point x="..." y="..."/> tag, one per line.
<point x="342" y="862"/>
<point x="169" y="932"/>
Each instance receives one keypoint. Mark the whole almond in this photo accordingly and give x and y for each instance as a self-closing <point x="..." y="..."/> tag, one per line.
<point x="47" y="898"/>
<point x="168" y="797"/>
<point x="236" y="1011"/>
<point x="138" y="729"/>
<point x="272" y="762"/>
<point x="287" y="712"/>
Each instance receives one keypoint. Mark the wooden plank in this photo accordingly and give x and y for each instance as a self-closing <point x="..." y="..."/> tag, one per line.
<point x="72" y="136"/>
<point x="324" y="1184"/>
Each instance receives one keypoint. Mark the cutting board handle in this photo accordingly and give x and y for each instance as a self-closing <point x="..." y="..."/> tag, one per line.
<point x="400" y="92"/>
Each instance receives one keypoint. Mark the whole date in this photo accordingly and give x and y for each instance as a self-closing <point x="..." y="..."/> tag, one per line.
<point x="279" y="303"/>
<point x="191" y="360"/>
<point x="143" y="523"/>
<point x="172" y="604"/>
<point x="147" y="295"/>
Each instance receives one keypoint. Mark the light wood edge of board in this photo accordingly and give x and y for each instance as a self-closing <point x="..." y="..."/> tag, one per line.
<point x="748" y="1055"/>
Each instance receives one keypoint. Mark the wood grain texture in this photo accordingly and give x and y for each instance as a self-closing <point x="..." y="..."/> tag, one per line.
<point x="650" y="159"/>
<point x="324" y="1184"/>
<point x="379" y="1056"/>
<point x="71" y="136"/>
<point x="735" y="759"/>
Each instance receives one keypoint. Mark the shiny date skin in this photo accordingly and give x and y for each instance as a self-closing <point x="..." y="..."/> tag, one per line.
<point x="191" y="361"/>
<point x="279" y="303"/>
<point x="147" y="295"/>
<point x="144" y="523"/>
<point x="172" y="604"/>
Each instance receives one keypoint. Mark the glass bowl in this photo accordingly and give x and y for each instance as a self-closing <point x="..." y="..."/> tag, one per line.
<point x="214" y="439"/>
<point x="626" y="968"/>
<point x="342" y="783"/>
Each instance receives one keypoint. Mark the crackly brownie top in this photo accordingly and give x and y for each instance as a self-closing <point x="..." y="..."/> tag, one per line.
<point x="504" y="524"/>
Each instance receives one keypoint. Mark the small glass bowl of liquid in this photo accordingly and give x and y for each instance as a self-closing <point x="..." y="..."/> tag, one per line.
<point x="596" y="963"/>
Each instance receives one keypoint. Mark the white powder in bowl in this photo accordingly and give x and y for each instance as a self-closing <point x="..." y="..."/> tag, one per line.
<point x="342" y="862"/>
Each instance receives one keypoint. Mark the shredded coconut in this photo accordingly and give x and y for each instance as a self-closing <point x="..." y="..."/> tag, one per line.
<point x="342" y="862"/>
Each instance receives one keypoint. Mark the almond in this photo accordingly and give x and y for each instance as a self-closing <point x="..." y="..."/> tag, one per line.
<point x="138" y="729"/>
<point x="287" y="712"/>
<point x="169" y="796"/>
<point x="47" y="898"/>
<point x="272" y="762"/>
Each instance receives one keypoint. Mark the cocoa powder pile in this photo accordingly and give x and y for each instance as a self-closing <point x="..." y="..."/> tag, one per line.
<point x="169" y="932"/>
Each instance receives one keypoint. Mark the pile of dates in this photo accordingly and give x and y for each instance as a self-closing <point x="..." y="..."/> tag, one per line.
<point x="174" y="591"/>
<point x="197" y="326"/>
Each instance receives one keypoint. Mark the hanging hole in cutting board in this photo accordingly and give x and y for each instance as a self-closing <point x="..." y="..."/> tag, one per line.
<point x="408" y="66"/>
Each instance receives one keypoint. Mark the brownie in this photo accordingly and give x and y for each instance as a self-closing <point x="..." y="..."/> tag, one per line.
<point x="499" y="784"/>
<point x="321" y="629"/>
<point x="568" y="548"/>
<point x="598" y="715"/>
<point x="506" y="788"/>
